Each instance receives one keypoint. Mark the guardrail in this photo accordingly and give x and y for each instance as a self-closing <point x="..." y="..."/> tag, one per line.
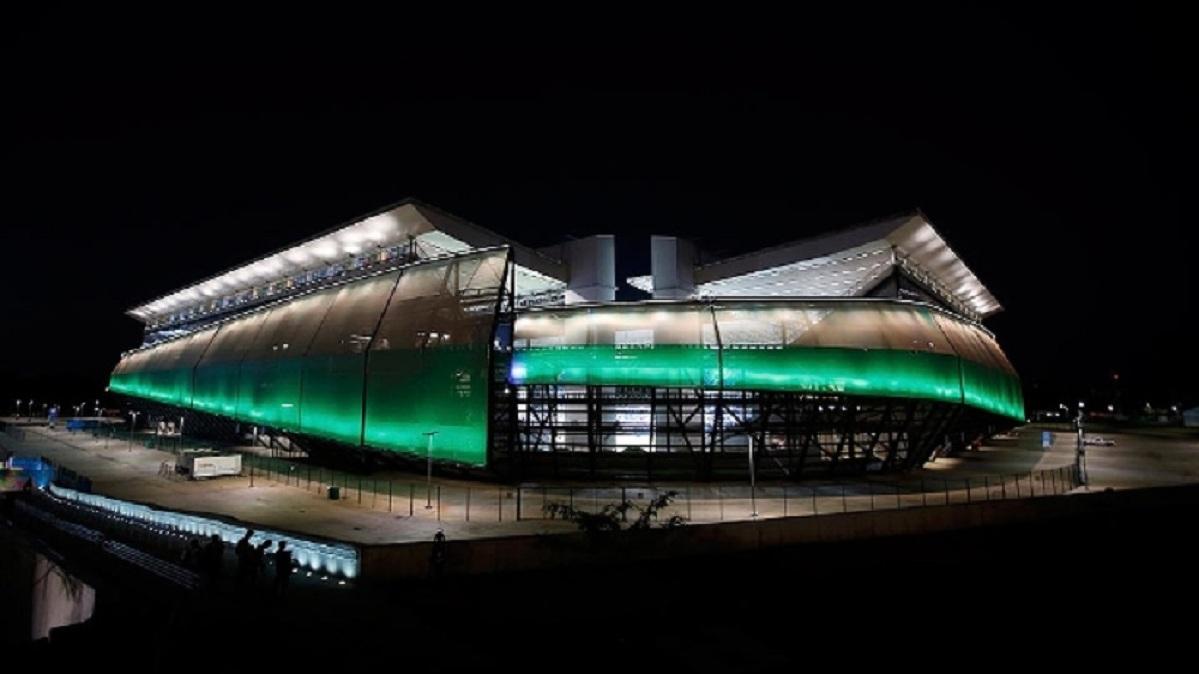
<point x="338" y="559"/>
<point x="147" y="562"/>
<point x="168" y="530"/>
<point x="694" y="503"/>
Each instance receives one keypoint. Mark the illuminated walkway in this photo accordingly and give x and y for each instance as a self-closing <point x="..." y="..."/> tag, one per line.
<point x="390" y="507"/>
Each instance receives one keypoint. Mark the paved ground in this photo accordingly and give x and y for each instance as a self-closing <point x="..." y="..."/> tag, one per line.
<point x="1145" y="458"/>
<point x="376" y="508"/>
<point x="131" y="472"/>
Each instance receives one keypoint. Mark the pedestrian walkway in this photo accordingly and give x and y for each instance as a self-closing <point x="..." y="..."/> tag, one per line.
<point x="392" y="507"/>
<point x="129" y="471"/>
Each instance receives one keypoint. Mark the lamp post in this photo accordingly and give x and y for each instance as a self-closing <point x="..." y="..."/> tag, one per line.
<point x="753" y="493"/>
<point x="1080" y="456"/>
<point x="132" y="425"/>
<point x="18" y="408"/>
<point x="429" y="471"/>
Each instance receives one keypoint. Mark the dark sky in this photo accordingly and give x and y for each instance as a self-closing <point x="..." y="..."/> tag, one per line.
<point x="1054" y="152"/>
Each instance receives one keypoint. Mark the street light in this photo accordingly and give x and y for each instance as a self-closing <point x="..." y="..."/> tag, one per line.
<point x="753" y="493"/>
<point x="429" y="471"/>
<point x="132" y="425"/>
<point x="1080" y="454"/>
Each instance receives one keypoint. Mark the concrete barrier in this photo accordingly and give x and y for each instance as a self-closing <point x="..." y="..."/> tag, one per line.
<point x="529" y="553"/>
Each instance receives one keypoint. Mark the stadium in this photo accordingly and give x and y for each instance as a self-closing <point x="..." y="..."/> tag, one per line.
<point x="410" y="332"/>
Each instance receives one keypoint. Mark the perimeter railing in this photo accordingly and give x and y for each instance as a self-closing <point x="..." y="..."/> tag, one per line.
<point x="700" y="503"/>
<point x="695" y="503"/>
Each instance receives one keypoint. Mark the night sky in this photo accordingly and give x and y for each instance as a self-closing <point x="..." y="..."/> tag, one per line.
<point x="1054" y="153"/>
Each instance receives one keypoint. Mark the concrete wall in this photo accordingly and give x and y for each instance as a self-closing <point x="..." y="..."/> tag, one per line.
<point x="672" y="264"/>
<point x="526" y="553"/>
<point x="592" y="269"/>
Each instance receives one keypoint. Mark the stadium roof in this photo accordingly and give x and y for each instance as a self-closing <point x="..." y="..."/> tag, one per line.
<point x="847" y="263"/>
<point x="431" y="231"/>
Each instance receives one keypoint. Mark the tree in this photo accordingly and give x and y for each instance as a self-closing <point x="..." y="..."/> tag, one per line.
<point x="613" y="517"/>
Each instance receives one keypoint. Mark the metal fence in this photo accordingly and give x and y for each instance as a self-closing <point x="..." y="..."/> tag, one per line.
<point x="15" y="432"/>
<point x="165" y="532"/>
<point x="694" y="503"/>
<point x="153" y="549"/>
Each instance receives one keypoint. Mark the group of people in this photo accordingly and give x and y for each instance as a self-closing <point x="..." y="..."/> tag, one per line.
<point x="251" y="559"/>
<point x="205" y="558"/>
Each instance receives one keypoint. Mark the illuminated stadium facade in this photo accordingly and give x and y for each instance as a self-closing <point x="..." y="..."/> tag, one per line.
<point x="857" y="351"/>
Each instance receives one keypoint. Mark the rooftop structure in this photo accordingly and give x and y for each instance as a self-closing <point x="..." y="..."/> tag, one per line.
<point x="855" y="262"/>
<point x="854" y="351"/>
<point x="398" y="234"/>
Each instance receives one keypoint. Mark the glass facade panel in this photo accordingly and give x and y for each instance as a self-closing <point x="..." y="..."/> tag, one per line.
<point x="862" y="348"/>
<point x="269" y="381"/>
<point x="122" y="366"/>
<point x="988" y="380"/>
<point x="153" y="368"/>
<point x="215" y="384"/>
<point x="427" y="369"/>
<point x="331" y="396"/>
<point x="162" y="372"/>
<point x="127" y="376"/>
<point x="181" y="374"/>
<point x="643" y="345"/>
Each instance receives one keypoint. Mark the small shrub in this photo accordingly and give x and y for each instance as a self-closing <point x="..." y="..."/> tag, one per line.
<point x="613" y="517"/>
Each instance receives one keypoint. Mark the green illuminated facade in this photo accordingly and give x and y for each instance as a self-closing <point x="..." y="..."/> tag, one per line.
<point x="356" y="363"/>
<point x="383" y="361"/>
<point x="854" y="351"/>
<point x="858" y="348"/>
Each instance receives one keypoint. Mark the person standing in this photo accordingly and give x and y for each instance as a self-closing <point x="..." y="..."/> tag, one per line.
<point x="245" y="558"/>
<point x="283" y="568"/>
<point x="214" y="556"/>
<point x="258" y="561"/>
<point x="192" y="555"/>
<point x="437" y="559"/>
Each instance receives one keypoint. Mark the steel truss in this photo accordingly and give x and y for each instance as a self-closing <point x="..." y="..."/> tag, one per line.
<point x="665" y="433"/>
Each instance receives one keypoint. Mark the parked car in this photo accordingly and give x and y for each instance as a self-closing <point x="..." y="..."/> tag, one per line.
<point x="1098" y="440"/>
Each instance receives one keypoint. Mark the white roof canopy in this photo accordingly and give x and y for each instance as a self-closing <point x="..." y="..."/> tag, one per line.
<point x="432" y="233"/>
<point x="847" y="263"/>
